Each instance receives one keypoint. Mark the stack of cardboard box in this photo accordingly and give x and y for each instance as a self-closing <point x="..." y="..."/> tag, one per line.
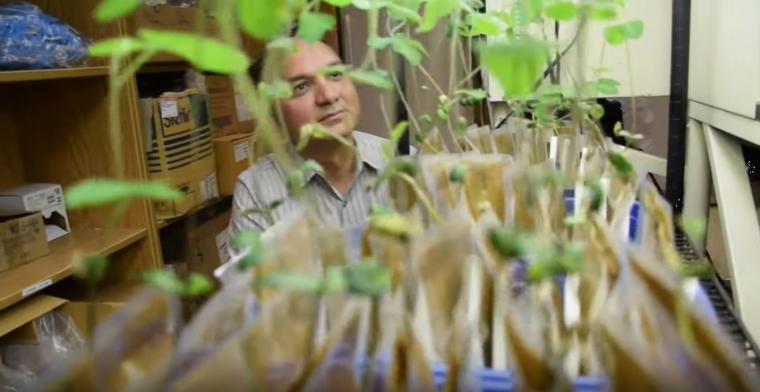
<point x="180" y="150"/>
<point x="232" y="128"/>
<point x="199" y="141"/>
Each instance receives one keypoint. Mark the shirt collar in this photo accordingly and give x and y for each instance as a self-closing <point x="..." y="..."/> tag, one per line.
<point x="364" y="153"/>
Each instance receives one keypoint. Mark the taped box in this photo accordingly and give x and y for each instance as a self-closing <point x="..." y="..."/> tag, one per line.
<point x="22" y="239"/>
<point x="233" y="156"/>
<point x="180" y="150"/>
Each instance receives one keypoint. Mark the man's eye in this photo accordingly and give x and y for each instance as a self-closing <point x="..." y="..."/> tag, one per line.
<point x="300" y="87"/>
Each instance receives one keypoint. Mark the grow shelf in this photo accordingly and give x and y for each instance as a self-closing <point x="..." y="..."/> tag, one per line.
<point x="28" y="310"/>
<point x="46" y="74"/>
<point x="723" y="306"/>
<point x="25" y="280"/>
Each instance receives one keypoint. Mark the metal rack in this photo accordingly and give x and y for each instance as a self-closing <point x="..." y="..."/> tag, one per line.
<point x="722" y="302"/>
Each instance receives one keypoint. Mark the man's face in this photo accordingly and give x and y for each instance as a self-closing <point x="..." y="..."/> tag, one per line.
<point x="328" y="99"/>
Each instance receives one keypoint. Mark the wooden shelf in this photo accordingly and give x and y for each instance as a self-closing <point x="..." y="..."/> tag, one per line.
<point x="162" y="67"/>
<point x="24" y="280"/>
<point x="26" y="311"/>
<point x="46" y="74"/>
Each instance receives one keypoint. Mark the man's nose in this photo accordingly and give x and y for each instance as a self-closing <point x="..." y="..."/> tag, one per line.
<point x="327" y="92"/>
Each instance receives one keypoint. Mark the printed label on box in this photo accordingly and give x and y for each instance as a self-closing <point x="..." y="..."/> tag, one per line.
<point x="36" y="287"/>
<point x="209" y="187"/>
<point x="39" y="201"/>
<point x="169" y="109"/>
<point x="222" y="243"/>
<point x="241" y="151"/>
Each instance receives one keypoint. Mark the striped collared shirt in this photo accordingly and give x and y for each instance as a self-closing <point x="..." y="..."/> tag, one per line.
<point x="264" y="184"/>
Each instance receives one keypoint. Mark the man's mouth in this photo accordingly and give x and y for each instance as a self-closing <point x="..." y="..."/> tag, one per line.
<point x="332" y="118"/>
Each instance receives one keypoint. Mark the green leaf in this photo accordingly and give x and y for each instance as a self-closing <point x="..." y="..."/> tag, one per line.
<point x="435" y="10"/>
<point x="312" y="166"/>
<point x="393" y="224"/>
<point x="525" y="12"/>
<point x="695" y="228"/>
<point x="562" y="11"/>
<point x="262" y="19"/>
<point x="285" y="43"/>
<point x="571" y="259"/>
<point x="398" y="131"/>
<point x="597" y="195"/>
<point x="696" y="270"/>
<point x="313" y="26"/>
<point x="295" y="180"/>
<point x="425" y="119"/>
<point x="419" y="137"/>
<point x="246" y="238"/>
<point x="377" y="78"/>
<point x="411" y="49"/>
<point x="399" y="12"/>
<point x="165" y="281"/>
<point x="471" y="97"/>
<point x="206" y="54"/>
<point x="251" y="240"/>
<point x="621" y="165"/>
<point x="335" y="280"/>
<point x="197" y="285"/>
<point x="379" y="210"/>
<point x="458" y="173"/>
<point x="604" y="11"/>
<point x="486" y="24"/>
<point x="368" y="279"/>
<point x="507" y="241"/>
<point x="338" y="3"/>
<point x="91" y="268"/>
<point x="279" y="89"/>
<point x="387" y="150"/>
<point x="109" y="10"/>
<point x="99" y="192"/>
<point x="619" y="34"/>
<point x="122" y="46"/>
<point x="379" y="43"/>
<point x="608" y="86"/>
<point x="517" y="64"/>
<point x="293" y="281"/>
<point x="461" y="127"/>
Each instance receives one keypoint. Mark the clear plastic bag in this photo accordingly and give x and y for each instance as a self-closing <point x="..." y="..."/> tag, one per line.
<point x="57" y="341"/>
<point x="31" y="39"/>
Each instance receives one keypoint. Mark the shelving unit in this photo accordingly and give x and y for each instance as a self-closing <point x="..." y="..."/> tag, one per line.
<point x="47" y="74"/>
<point x="27" y="279"/>
<point x="55" y="130"/>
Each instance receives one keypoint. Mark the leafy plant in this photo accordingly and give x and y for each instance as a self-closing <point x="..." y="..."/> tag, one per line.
<point x="99" y="192"/>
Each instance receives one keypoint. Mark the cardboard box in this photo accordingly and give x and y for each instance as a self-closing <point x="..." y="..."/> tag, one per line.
<point x="167" y="17"/>
<point x="22" y="239"/>
<point x="233" y="155"/>
<point x="207" y="242"/>
<point x="180" y="151"/>
<point x="221" y="105"/>
<point x="44" y="198"/>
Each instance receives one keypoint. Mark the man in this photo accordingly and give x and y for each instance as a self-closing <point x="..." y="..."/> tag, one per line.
<point x="330" y="100"/>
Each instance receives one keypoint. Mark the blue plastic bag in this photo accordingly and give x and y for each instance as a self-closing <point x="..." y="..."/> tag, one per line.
<point x="30" y="39"/>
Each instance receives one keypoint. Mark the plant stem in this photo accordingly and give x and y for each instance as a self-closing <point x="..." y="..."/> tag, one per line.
<point x="401" y="95"/>
<point x="453" y="53"/>
<point x="468" y="77"/>
<point x="630" y="84"/>
<point x="421" y="195"/>
<point x="372" y="25"/>
<point x="432" y="81"/>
